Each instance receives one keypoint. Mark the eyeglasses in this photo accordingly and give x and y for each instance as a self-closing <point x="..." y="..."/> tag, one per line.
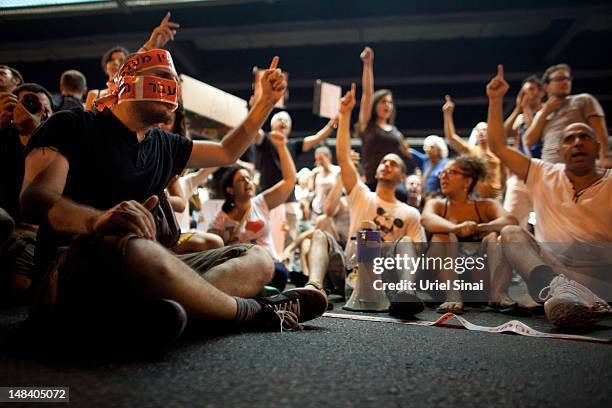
<point x="450" y="172"/>
<point x="560" y="79"/>
<point x="244" y="180"/>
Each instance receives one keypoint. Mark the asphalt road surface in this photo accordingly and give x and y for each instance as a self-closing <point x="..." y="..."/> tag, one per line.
<point x="334" y="362"/>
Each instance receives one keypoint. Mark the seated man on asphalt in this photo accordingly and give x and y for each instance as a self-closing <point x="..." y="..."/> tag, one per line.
<point x="97" y="176"/>
<point x="573" y="233"/>
<point x="395" y="220"/>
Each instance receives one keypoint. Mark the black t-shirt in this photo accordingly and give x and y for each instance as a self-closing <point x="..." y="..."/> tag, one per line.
<point x="248" y="155"/>
<point x="268" y="162"/>
<point x="107" y="164"/>
<point x="12" y="159"/>
<point x="68" y="102"/>
<point x="375" y="144"/>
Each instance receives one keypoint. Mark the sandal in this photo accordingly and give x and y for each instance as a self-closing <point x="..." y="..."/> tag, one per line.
<point x="451" y="307"/>
<point x="318" y="287"/>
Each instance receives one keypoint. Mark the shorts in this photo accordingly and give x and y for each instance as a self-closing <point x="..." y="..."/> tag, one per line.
<point x="16" y="259"/>
<point x="91" y="271"/>
<point x="17" y="254"/>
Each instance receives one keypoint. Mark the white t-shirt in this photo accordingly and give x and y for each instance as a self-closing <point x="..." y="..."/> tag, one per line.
<point x="323" y="185"/>
<point x="254" y="229"/>
<point x="564" y="215"/>
<point x="573" y="229"/>
<point x="394" y="220"/>
<point x="183" y="217"/>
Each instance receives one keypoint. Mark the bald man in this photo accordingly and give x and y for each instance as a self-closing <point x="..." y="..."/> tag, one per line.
<point x="570" y="257"/>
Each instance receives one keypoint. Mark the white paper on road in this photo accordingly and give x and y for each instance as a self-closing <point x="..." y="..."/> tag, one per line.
<point x="513" y="326"/>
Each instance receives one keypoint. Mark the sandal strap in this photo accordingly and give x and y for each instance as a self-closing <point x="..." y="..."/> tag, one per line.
<point x="315" y="285"/>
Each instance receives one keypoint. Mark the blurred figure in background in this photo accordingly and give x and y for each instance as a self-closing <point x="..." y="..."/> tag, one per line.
<point x="73" y="86"/>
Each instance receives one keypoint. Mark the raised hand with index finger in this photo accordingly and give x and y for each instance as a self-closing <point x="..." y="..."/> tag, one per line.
<point x="449" y="105"/>
<point x="347" y="103"/>
<point x="162" y="34"/>
<point x="498" y="86"/>
<point x="273" y="82"/>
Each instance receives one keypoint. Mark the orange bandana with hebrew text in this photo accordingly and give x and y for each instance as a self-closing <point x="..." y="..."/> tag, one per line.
<point x="127" y="85"/>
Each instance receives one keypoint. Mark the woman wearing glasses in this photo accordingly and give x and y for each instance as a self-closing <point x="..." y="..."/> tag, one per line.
<point x="464" y="227"/>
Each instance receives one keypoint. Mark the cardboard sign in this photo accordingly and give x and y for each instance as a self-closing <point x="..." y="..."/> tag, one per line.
<point x="212" y="103"/>
<point x="326" y="99"/>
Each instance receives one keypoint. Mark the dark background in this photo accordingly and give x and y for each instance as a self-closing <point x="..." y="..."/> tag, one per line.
<point x="423" y="49"/>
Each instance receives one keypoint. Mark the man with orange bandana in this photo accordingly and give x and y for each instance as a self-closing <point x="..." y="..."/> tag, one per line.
<point x="92" y="181"/>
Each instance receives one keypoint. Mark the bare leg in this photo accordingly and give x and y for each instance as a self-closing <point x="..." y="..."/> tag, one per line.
<point x="200" y="241"/>
<point x="500" y="271"/>
<point x="245" y="275"/>
<point x="157" y="273"/>
<point x="325" y="223"/>
<point x="291" y="218"/>
<point x="304" y="251"/>
<point x="318" y="258"/>
<point x="136" y="269"/>
<point x="442" y="246"/>
<point x="522" y="252"/>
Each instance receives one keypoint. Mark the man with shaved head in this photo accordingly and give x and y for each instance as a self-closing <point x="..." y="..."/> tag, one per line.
<point x="394" y="219"/>
<point x="570" y="257"/>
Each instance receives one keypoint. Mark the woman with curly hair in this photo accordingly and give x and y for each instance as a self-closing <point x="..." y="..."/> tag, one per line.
<point x="461" y="226"/>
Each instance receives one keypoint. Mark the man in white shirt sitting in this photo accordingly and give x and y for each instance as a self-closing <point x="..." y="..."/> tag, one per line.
<point x="573" y="235"/>
<point x="395" y="220"/>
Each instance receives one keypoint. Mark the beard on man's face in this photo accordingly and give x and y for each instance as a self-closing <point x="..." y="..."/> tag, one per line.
<point x="150" y="113"/>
